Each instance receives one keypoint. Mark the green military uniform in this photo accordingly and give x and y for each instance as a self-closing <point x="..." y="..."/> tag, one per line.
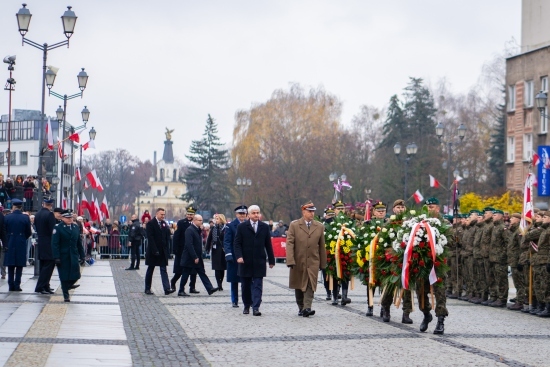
<point x="480" y="284"/>
<point x="68" y="254"/>
<point x="454" y="285"/>
<point x="467" y="254"/>
<point x="498" y="287"/>
<point x="539" y="261"/>
<point x="532" y="235"/>
<point x="485" y="244"/>
<point x="513" y="253"/>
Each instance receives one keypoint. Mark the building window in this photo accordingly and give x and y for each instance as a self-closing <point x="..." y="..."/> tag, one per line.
<point x="528" y="96"/>
<point x="23" y="158"/>
<point x="510" y="149"/>
<point x="527" y="147"/>
<point x="159" y="193"/>
<point x="13" y="156"/>
<point x="511" y="98"/>
<point x="543" y="118"/>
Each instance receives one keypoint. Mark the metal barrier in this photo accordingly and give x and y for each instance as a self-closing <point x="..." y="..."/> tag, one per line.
<point x="115" y="246"/>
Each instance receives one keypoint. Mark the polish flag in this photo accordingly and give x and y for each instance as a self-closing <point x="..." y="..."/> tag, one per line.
<point x="75" y="137"/>
<point x="64" y="203"/>
<point x="433" y="182"/>
<point x="91" y="209"/>
<point x="77" y="174"/>
<point x="49" y="134"/>
<point x="418" y="197"/>
<point x="99" y="186"/>
<point x="84" y="204"/>
<point x="97" y="209"/>
<point x="89" y="144"/>
<point x="105" y="208"/>
<point x="59" y="148"/>
<point x="86" y="187"/>
<point x="92" y="177"/>
<point x="535" y="159"/>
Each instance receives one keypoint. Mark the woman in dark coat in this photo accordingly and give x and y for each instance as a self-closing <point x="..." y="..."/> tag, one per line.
<point x="215" y="243"/>
<point x="19" y="188"/>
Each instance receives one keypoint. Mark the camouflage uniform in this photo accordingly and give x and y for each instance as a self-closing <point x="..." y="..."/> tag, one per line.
<point x="454" y="285"/>
<point x="485" y="244"/>
<point x="532" y="235"/>
<point x="468" y="259"/>
<point x="480" y="282"/>
<point x="499" y="265"/>
<point x="539" y="259"/>
<point x="513" y="254"/>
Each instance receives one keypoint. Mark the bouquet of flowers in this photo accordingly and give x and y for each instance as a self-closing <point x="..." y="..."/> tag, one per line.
<point x="411" y="249"/>
<point x="365" y="234"/>
<point x="339" y="242"/>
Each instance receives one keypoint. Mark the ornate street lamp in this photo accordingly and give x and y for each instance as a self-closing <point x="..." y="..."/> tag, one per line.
<point x="411" y="150"/>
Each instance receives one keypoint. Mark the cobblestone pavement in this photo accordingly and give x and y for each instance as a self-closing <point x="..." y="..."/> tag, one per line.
<point x="111" y="322"/>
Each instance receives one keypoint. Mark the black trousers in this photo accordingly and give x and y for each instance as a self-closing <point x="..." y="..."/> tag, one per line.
<point x="200" y="271"/>
<point x="46" y="272"/>
<point x="252" y="289"/>
<point x="65" y="285"/>
<point x="163" y="277"/>
<point x="14" y="276"/>
<point x="219" y="276"/>
<point x="135" y="255"/>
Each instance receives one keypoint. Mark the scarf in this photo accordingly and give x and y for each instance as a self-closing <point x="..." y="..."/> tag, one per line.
<point x="215" y="234"/>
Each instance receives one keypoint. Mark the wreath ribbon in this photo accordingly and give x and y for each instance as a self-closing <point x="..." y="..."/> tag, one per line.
<point x="373" y="246"/>
<point x="430" y="234"/>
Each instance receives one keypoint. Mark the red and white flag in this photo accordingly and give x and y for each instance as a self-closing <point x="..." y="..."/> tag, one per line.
<point x="86" y="187"/>
<point x="97" y="209"/>
<point x="75" y="137"/>
<point x="49" y="134"/>
<point x="77" y="174"/>
<point x="105" y="208"/>
<point x="59" y="148"/>
<point x="92" y="177"/>
<point x="89" y="144"/>
<point x="536" y="159"/>
<point x="64" y="203"/>
<point x="433" y="182"/>
<point x="418" y="197"/>
<point x="84" y="204"/>
<point x="527" y="204"/>
<point x="99" y="186"/>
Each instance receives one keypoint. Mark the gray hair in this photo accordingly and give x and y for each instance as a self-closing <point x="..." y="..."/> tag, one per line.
<point x="253" y="207"/>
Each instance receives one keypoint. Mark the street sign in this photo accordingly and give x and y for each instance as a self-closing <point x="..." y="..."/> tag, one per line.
<point x="122" y="219"/>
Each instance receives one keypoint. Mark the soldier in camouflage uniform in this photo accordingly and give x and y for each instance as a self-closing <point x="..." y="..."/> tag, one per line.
<point x="539" y="261"/>
<point x="532" y="235"/>
<point x="467" y="255"/>
<point x="454" y="285"/>
<point x="485" y="244"/>
<point x="480" y="283"/>
<point x="512" y="253"/>
<point x="498" y="260"/>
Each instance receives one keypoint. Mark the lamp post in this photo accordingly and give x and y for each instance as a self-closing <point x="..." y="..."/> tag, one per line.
<point x="411" y="149"/>
<point x="243" y="184"/>
<point x="23" y="20"/>
<point x="338" y="185"/>
<point x="439" y="129"/>
<point x="10" y="87"/>
<point x="92" y="133"/>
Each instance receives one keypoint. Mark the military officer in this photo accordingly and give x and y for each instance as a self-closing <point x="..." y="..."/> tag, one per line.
<point x="232" y="277"/>
<point x="498" y="260"/>
<point x="513" y="253"/>
<point x="539" y="261"/>
<point x="485" y="244"/>
<point x="18" y="230"/>
<point x="531" y="237"/>
<point x="178" y="246"/>
<point x="467" y="254"/>
<point x="45" y="223"/>
<point x="329" y="217"/>
<point x="68" y="252"/>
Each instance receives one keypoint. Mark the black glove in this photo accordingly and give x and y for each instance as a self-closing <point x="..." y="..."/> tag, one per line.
<point x="519" y="267"/>
<point x="57" y="261"/>
<point x="548" y="268"/>
<point x="290" y="266"/>
<point x="82" y="261"/>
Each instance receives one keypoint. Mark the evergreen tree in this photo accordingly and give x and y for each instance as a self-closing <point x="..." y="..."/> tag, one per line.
<point x="206" y="178"/>
<point x="496" y="150"/>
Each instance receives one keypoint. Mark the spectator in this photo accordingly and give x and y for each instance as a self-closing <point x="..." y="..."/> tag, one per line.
<point x="46" y="186"/>
<point x="214" y="243"/>
<point x="280" y="231"/>
<point x="124" y="231"/>
<point x="204" y="235"/>
<point x="10" y="191"/>
<point x="3" y="194"/>
<point x="114" y="242"/>
<point x="108" y="225"/>
<point x="145" y="216"/>
<point x="19" y="188"/>
<point x="28" y="188"/>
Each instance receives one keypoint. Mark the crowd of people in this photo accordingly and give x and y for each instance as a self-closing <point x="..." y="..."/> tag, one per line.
<point x="23" y="189"/>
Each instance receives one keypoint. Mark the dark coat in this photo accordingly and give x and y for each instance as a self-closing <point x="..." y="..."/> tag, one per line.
<point x="228" y="240"/>
<point x="192" y="249"/>
<point x="252" y="247"/>
<point x="218" y="254"/>
<point x="67" y="247"/>
<point x="179" y="243"/>
<point x="158" y="243"/>
<point x="2" y="232"/>
<point x="18" y="229"/>
<point x="44" y="221"/>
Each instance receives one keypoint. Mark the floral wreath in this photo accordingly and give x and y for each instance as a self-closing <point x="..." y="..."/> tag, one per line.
<point x="345" y="247"/>
<point x="365" y="234"/>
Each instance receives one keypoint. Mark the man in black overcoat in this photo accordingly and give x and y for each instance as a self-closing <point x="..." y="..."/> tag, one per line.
<point x="252" y="243"/>
<point x="191" y="257"/>
<point x="158" y="251"/>
<point x="179" y="242"/>
<point x="18" y="230"/>
<point x="44" y="221"/>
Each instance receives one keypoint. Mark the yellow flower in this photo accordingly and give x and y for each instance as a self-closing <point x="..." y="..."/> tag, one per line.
<point x="367" y="252"/>
<point x="332" y="251"/>
<point x="346" y="249"/>
<point x="332" y="244"/>
<point x="358" y="254"/>
<point x="349" y="243"/>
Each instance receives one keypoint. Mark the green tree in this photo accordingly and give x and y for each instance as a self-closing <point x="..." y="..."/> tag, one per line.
<point x="496" y="150"/>
<point x="206" y="178"/>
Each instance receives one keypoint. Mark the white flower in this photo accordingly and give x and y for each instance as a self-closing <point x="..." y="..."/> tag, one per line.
<point x="392" y="217"/>
<point x="381" y="240"/>
<point x="348" y="236"/>
<point x="413" y="212"/>
<point x="392" y="235"/>
<point x="384" y="230"/>
<point x="329" y="236"/>
<point x="372" y="227"/>
<point x="372" y="235"/>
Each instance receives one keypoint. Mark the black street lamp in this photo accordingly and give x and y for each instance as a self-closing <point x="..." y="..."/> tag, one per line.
<point x="243" y="184"/>
<point x="461" y="132"/>
<point x="411" y="149"/>
<point x="10" y="87"/>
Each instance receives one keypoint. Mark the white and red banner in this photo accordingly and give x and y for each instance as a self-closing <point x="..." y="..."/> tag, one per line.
<point x="434" y="182"/>
<point x="527" y="204"/>
<point x="97" y="209"/>
<point x="77" y="174"/>
<point x="430" y="235"/>
<point x="417" y="196"/>
<point x="92" y="177"/>
<point x="105" y="208"/>
<point x="59" y="148"/>
<point x="75" y="137"/>
<point x="49" y="134"/>
<point x="536" y="159"/>
<point x="89" y="144"/>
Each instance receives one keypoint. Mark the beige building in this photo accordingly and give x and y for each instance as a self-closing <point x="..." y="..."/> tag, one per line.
<point x="527" y="74"/>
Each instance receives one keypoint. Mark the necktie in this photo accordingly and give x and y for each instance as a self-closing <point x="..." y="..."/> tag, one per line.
<point x="254" y="225"/>
<point x="308" y="224"/>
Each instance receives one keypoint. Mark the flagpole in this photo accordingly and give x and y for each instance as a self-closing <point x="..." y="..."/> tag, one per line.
<point x="455" y="212"/>
<point x="532" y="220"/>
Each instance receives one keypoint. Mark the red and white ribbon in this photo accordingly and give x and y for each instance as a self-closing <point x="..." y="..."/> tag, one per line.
<point x="430" y="234"/>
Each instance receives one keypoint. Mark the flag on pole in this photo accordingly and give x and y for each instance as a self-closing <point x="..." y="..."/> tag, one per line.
<point x="84" y="204"/>
<point x="77" y="174"/>
<point x="64" y="203"/>
<point x="59" y="148"/>
<point x="105" y="208"/>
<point x="527" y="214"/>
<point x="458" y="178"/>
<point x="89" y="144"/>
<point x="99" y="186"/>
<point x="433" y="182"/>
<point x="49" y="134"/>
<point x="86" y="187"/>
<point x="535" y="159"/>
<point x="92" y="177"/>
<point x="418" y="197"/>
<point x="75" y="137"/>
<point x="97" y="209"/>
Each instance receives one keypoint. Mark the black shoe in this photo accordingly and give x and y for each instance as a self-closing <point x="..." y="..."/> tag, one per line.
<point x="172" y="284"/>
<point x="512" y="300"/>
<point x="193" y="291"/>
<point x="136" y="268"/>
<point x="210" y="292"/>
<point x="183" y="294"/>
<point x="546" y="312"/>
<point x="11" y="289"/>
<point x="148" y="291"/>
<point x="440" y="327"/>
<point x="307" y="312"/>
<point x="454" y="296"/>
<point x="46" y="292"/>
<point x="339" y="296"/>
<point x="74" y="286"/>
<point x="427" y="319"/>
<point x="329" y="297"/>
<point x="406" y="319"/>
<point x="301" y="313"/>
<point x="17" y="290"/>
<point x="246" y="311"/>
<point x="67" y="300"/>
<point x="235" y="305"/>
<point x="169" y="291"/>
<point x="334" y="298"/>
<point x="256" y="313"/>
<point x="345" y="299"/>
<point x="370" y="311"/>
<point x="386" y="315"/>
<point x="130" y="268"/>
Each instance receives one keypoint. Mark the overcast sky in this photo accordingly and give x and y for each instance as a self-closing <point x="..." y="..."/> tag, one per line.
<point x="157" y="64"/>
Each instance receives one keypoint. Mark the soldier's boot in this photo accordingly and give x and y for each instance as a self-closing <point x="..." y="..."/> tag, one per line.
<point x="488" y="301"/>
<point x="440" y="327"/>
<point x="345" y="299"/>
<point x="454" y="296"/>
<point x="370" y="311"/>
<point x="533" y="309"/>
<point x="386" y="314"/>
<point x="525" y="308"/>
<point x="542" y="307"/>
<point x="427" y="319"/>
<point x="406" y="319"/>
<point x="516" y="307"/>
<point x="498" y="303"/>
<point x="546" y="312"/>
<point x="335" y="296"/>
<point x="463" y="298"/>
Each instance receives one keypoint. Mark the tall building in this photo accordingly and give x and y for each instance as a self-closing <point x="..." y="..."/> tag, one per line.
<point x="526" y="74"/>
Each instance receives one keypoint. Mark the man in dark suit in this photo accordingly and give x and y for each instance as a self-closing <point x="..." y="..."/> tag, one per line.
<point x="45" y="222"/>
<point x="18" y="230"/>
<point x="232" y="267"/>
<point x="191" y="257"/>
<point x="252" y="242"/>
<point x="158" y="251"/>
<point x="179" y="244"/>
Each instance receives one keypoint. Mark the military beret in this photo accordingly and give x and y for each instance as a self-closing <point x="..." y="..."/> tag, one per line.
<point x="516" y="215"/>
<point x="488" y="209"/>
<point x="329" y="212"/>
<point x="339" y="205"/>
<point x="191" y="210"/>
<point x="475" y="211"/>
<point x="448" y="217"/>
<point x="379" y="205"/>
<point x="432" y="201"/>
<point x="241" y="209"/>
<point x="498" y="211"/>
<point x="398" y="202"/>
<point x="16" y="202"/>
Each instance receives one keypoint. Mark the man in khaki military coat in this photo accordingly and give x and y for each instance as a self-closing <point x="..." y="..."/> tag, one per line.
<point x="305" y="255"/>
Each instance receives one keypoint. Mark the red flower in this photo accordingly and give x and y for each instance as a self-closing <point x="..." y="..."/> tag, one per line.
<point x="361" y="270"/>
<point x="383" y="272"/>
<point x="421" y="263"/>
<point x="403" y="245"/>
<point x="439" y="280"/>
<point x="437" y="263"/>
<point x="380" y="257"/>
<point x="421" y="244"/>
<point x="415" y="270"/>
<point x="445" y="260"/>
<point x="328" y="252"/>
<point x="429" y="254"/>
<point x="400" y="265"/>
<point x="415" y="255"/>
<point x="331" y="267"/>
